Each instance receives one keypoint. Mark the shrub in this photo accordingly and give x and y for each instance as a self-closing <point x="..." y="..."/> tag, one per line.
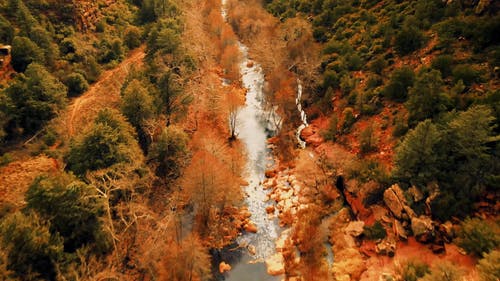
<point x="408" y="40"/>
<point x="76" y="84"/>
<point x="367" y="140"/>
<point x="401" y="80"/>
<point x="378" y="65"/>
<point x="132" y="38"/>
<point x="24" y="52"/>
<point x="375" y="232"/>
<point x="330" y="134"/>
<point x="443" y="63"/>
<point x="412" y="270"/>
<point x="489" y="266"/>
<point x="465" y="73"/>
<point x="349" y="119"/>
<point x="478" y="237"/>
<point x="444" y="271"/>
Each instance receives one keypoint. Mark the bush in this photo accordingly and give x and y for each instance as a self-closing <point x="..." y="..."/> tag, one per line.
<point x="375" y="232"/>
<point x="412" y="270"/>
<point x="489" y="266"/>
<point x="401" y="80"/>
<point x="444" y="271"/>
<point x="378" y="65"/>
<point x="349" y="119"/>
<point x="24" y="52"/>
<point x="132" y="38"/>
<point x="169" y="152"/>
<point x="408" y="40"/>
<point x="76" y="84"/>
<point x="443" y="63"/>
<point x="478" y="237"/>
<point x="466" y="73"/>
<point x="330" y="134"/>
<point x="71" y="207"/>
<point x="367" y="140"/>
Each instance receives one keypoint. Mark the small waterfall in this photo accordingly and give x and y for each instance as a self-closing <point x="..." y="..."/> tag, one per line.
<point x="303" y="116"/>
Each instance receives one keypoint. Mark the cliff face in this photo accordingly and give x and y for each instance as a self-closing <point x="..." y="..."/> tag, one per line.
<point x="86" y="13"/>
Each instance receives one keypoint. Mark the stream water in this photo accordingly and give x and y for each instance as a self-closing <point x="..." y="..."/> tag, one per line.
<point x="253" y="128"/>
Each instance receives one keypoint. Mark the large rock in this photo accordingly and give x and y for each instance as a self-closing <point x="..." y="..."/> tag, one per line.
<point x="386" y="247"/>
<point x="250" y="227"/>
<point x="391" y="199"/>
<point x="275" y="264"/>
<point x="355" y="228"/>
<point x="422" y="228"/>
<point x="223" y="267"/>
<point x="399" y="230"/>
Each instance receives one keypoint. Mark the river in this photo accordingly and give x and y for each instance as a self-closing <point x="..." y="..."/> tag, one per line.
<point x="253" y="129"/>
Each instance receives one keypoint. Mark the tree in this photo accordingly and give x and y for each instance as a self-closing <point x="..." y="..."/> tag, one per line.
<point x="185" y="261"/>
<point x="210" y="185"/>
<point x="6" y="31"/>
<point x="234" y="102"/>
<point x="107" y="142"/>
<point x="37" y="96"/>
<point x="132" y="37"/>
<point x="408" y="39"/>
<point x="169" y="152"/>
<point x="137" y="104"/>
<point x="489" y="266"/>
<point x="478" y="237"/>
<point x="367" y="140"/>
<point x="76" y="84"/>
<point x="72" y="209"/>
<point x="175" y="99"/>
<point x="417" y="155"/>
<point x="24" y="52"/>
<point x="401" y="80"/>
<point x="32" y="251"/>
<point x="427" y="98"/>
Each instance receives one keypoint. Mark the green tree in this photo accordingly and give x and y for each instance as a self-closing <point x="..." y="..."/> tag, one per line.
<point x="367" y="140"/>
<point x="107" y="142"/>
<point x="401" y="80"/>
<point x="132" y="38"/>
<point x="417" y="155"/>
<point x="427" y="98"/>
<point x="478" y="237"/>
<point x="175" y="99"/>
<point x="6" y="31"/>
<point x="408" y="40"/>
<point x="489" y="266"/>
<point x="137" y="104"/>
<point x="71" y="207"/>
<point x="37" y="96"/>
<point x="24" y="52"/>
<point x="76" y="83"/>
<point x="169" y="152"/>
<point x="32" y="251"/>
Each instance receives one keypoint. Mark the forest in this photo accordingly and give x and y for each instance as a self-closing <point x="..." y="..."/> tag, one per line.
<point x="261" y="140"/>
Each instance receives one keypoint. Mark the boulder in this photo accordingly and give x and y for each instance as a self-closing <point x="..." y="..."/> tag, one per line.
<point x="386" y="247"/>
<point x="275" y="264"/>
<point x="415" y="194"/>
<point x="447" y="230"/>
<point x="355" y="228"/>
<point x="270" y="209"/>
<point x="250" y="227"/>
<point x="392" y="201"/>
<point x="399" y="230"/>
<point x="270" y="173"/>
<point x="422" y="228"/>
<point x="251" y="249"/>
<point x="224" y="267"/>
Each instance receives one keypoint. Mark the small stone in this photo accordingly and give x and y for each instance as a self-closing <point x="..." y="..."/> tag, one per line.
<point x="224" y="267"/>
<point x="250" y="227"/>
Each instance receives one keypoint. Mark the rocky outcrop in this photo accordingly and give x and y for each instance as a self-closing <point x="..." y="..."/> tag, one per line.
<point x="355" y="228"/>
<point x="395" y="200"/>
<point x="399" y="230"/>
<point x="275" y="264"/>
<point x="386" y="247"/>
<point x="422" y="228"/>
